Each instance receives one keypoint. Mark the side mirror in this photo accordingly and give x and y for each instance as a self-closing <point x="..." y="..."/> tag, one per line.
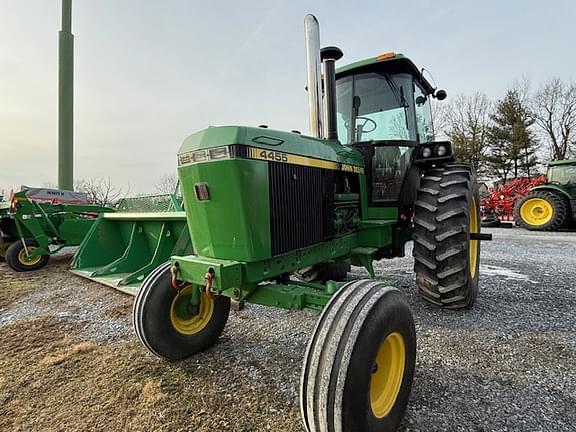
<point x="420" y="100"/>
<point x="440" y="94"/>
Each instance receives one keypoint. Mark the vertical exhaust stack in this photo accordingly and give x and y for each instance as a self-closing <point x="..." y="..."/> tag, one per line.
<point x="329" y="55"/>
<point x="312" y="35"/>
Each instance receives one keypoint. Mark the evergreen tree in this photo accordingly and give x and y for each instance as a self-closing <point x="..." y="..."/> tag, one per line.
<point x="512" y="143"/>
<point x="467" y="123"/>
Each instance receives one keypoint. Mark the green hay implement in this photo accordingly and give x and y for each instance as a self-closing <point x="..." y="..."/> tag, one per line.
<point x="124" y="247"/>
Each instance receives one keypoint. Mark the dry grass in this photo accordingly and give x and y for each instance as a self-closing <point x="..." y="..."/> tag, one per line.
<point x="16" y="286"/>
<point x="55" y="377"/>
<point x="53" y="382"/>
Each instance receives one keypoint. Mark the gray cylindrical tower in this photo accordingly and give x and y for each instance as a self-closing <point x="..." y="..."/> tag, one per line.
<point x="66" y="99"/>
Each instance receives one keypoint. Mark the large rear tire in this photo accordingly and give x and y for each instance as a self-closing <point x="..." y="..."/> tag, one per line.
<point x="541" y="211"/>
<point x="359" y="365"/>
<point x="164" y="325"/>
<point x="17" y="257"/>
<point x="446" y="261"/>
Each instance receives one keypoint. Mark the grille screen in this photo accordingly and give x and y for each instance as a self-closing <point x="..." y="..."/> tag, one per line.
<point x="296" y="206"/>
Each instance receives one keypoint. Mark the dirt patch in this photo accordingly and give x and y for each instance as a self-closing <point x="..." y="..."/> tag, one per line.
<point x="62" y="355"/>
<point x="151" y="392"/>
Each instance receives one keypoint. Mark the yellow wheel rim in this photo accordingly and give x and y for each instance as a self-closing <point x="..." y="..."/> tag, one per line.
<point x="387" y="374"/>
<point x="536" y="211"/>
<point x="473" y="244"/>
<point x="185" y="322"/>
<point x="24" y="260"/>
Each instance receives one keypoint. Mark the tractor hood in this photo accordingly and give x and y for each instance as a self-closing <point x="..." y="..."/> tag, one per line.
<point x="267" y="139"/>
<point x="254" y="193"/>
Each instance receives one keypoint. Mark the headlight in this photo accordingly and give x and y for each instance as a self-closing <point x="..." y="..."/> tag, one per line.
<point x="220" y="153"/>
<point x="426" y="152"/>
<point x="204" y="155"/>
<point x="200" y="156"/>
<point x="441" y="150"/>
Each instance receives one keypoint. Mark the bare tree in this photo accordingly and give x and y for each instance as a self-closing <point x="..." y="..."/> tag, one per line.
<point x="167" y="184"/>
<point x="440" y="120"/>
<point x="100" y="191"/>
<point x="554" y="106"/>
<point x="466" y="121"/>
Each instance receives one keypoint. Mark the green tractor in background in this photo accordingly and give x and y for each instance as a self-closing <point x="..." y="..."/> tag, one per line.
<point x="552" y="205"/>
<point x="276" y="218"/>
<point x="38" y="222"/>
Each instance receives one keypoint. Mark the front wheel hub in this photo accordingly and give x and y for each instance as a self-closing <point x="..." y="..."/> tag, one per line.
<point x="188" y="318"/>
<point x="387" y="374"/>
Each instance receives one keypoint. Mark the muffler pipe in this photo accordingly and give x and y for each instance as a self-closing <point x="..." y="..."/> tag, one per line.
<point x="312" y="37"/>
<point x="329" y="55"/>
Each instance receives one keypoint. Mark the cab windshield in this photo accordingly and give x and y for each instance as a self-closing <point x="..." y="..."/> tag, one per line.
<point x="374" y="107"/>
<point x="562" y="174"/>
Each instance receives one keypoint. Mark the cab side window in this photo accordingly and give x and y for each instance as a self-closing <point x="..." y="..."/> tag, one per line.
<point x="423" y="115"/>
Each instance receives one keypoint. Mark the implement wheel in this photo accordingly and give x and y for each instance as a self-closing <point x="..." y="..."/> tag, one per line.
<point x="167" y="324"/>
<point x="360" y="360"/>
<point x="541" y="210"/>
<point x="446" y="261"/>
<point x="17" y="257"/>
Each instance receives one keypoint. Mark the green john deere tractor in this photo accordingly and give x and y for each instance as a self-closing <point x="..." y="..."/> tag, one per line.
<point x="276" y="218"/>
<point x="552" y="205"/>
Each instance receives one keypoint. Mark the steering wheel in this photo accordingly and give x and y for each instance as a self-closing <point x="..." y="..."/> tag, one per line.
<point x="362" y="126"/>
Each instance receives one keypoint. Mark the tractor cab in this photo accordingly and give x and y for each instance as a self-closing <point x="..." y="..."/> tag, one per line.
<point x="383" y="110"/>
<point x="563" y="173"/>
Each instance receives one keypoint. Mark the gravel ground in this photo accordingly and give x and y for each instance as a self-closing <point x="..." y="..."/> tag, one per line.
<point x="70" y="361"/>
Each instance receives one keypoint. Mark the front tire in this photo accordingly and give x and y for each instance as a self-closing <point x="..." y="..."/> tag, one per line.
<point x="446" y="261"/>
<point x="17" y="258"/>
<point x="359" y="365"/>
<point x="163" y="325"/>
<point x="541" y="211"/>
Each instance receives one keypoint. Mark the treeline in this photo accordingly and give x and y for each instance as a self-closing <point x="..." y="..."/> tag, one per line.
<point x="512" y="136"/>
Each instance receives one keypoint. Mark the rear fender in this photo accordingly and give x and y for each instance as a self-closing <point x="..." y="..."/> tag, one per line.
<point x="559" y="191"/>
<point x="552" y="188"/>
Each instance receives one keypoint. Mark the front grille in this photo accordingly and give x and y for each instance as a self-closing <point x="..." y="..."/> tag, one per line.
<point x="296" y="206"/>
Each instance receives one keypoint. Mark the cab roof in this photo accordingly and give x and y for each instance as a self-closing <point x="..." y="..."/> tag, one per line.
<point x="562" y="162"/>
<point x="387" y="62"/>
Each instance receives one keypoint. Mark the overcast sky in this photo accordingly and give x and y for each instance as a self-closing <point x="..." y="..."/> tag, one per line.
<point x="149" y="73"/>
